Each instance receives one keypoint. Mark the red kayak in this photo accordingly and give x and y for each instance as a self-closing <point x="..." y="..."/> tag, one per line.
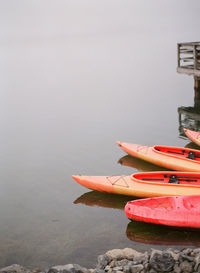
<point x="193" y="135"/>
<point x="176" y="211"/>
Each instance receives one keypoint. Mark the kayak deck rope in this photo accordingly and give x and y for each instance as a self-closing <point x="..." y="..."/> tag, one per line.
<point x="122" y="177"/>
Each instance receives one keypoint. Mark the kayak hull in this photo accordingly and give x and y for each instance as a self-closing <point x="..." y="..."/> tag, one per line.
<point x="193" y="135"/>
<point x="170" y="161"/>
<point x="176" y="211"/>
<point x="133" y="185"/>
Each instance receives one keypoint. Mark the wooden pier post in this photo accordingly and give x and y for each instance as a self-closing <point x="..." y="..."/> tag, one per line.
<point x="197" y="83"/>
<point x="196" y="89"/>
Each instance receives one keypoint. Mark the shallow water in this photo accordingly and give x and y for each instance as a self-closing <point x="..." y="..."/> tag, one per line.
<point x="76" y="76"/>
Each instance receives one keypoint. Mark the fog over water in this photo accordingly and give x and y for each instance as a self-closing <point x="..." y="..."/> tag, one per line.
<point x="75" y="77"/>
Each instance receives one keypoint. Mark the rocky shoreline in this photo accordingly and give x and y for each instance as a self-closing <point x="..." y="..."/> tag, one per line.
<point x="128" y="260"/>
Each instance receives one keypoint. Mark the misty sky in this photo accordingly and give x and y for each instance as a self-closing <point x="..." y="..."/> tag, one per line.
<point x="28" y="20"/>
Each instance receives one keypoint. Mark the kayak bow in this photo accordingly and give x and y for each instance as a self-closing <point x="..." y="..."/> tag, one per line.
<point x="193" y="135"/>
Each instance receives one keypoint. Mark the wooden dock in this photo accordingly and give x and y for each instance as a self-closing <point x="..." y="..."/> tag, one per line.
<point x="188" y="57"/>
<point x="189" y="117"/>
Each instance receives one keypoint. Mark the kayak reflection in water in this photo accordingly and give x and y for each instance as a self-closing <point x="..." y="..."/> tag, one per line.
<point x="137" y="231"/>
<point x="160" y="235"/>
<point x="192" y="145"/>
<point x="105" y="200"/>
<point x="139" y="164"/>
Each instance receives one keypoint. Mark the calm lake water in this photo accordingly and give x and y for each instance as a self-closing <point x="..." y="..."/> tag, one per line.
<point x="75" y="77"/>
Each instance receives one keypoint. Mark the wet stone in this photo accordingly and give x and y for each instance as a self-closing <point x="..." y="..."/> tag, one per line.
<point x="186" y="266"/>
<point x="97" y="270"/>
<point x="146" y="266"/>
<point x="187" y="251"/>
<point x="177" y="268"/>
<point x="102" y="261"/>
<point x="196" y="250"/>
<point x="174" y="254"/>
<point x="118" y="268"/>
<point x="113" y="263"/>
<point x="15" y="268"/>
<point x="131" y="254"/>
<point x="107" y="268"/>
<point x="197" y="262"/>
<point x="186" y="257"/>
<point x="126" y="269"/>
<point x="115" y="254"/>
<point x="152" y="271"/>
<point x="68" y="268"/>
<point x="122" y="262"/>
<point x="162" y="261"/>
<point x="129" y="261"/>
<point x="137" y="268"/>
<point x="37" y="270"/>
<point x="142" y="259"/>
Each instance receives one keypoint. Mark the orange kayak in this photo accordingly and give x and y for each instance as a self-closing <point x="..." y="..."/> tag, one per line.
<point x="175" y="158"/>
<point x="193" y="135"/>
<point x="177" y="211"/>
<point x="148" y="184"/>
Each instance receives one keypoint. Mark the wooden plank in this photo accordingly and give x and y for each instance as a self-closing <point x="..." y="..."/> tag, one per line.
<point x="186" y="48"/>
<point x="194" y="116"/>
<point x="189" y="44"/>
<point x="186" y="53"/>
<point x="188" y="71"/>
<point x="187" y="58"/>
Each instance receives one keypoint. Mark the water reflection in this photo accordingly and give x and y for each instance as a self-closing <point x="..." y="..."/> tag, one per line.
<point x="161" y="235"/>
<point x="138" y="231"/>
<point x="105" y="200"/>
<point x="139" y="164"/>
<point x="189" y="117"/>
<point x="192" y="145"/>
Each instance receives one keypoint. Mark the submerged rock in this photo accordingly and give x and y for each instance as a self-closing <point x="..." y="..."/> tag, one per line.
<point x="68" y="268"/>
<point x="102" y="261"/>
<point x="15" y="268"/>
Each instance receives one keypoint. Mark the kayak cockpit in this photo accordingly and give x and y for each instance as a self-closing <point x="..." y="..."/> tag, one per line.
<point x="180" y="152"/>
<point x="168" y="178"/>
